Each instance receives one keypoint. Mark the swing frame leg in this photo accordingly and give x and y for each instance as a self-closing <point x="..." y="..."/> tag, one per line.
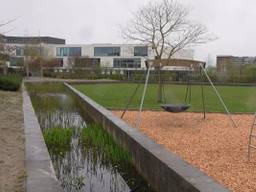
<point x="219" y="96"/>
<point x="202" y="93"/>
<point x="138" y="119"/>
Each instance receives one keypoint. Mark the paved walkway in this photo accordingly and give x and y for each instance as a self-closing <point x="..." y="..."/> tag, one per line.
<point x="46" y="79"/>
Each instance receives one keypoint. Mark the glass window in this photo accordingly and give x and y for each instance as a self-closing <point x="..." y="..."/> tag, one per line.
<point x="58" y="51"/>
<point x="64" y="51"/>
<point x="141" y="51"/>
<point x="107" y="51"/>
<point x="69" y="51"/>
<point x="87" y="62"/>
<point x="19" y="51"/>
<point x="127" y="63"/>
<point x="74" y="51"/>
<point x="16" y="61"/>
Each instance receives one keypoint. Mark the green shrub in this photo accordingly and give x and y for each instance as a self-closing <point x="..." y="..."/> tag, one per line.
<point x="11" y="82"/>
<point x="116" y="77"/>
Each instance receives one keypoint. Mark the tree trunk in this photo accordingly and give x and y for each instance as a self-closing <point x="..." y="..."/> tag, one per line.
<point x="5" y="68"/>
<point x="27" y="70"/>
<point x="41" y="69"/>
<point x="160" y="85"/>
<point x="42" y="72"/>
<point x="27" y="67"/>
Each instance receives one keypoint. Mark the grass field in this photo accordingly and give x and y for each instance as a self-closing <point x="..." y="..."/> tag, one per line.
<point x="116" y="96"/>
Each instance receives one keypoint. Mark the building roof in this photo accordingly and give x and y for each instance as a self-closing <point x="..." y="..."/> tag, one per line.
<point x="33" y="40"/>
<point x="179" y="63"/>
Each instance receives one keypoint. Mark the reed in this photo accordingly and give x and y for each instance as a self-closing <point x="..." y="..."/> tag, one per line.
<point x="37" y="88"/>
<point x="94" y="135"/>
<point x="58" y="139"/>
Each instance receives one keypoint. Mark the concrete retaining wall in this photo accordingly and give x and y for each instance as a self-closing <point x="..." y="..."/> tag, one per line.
<point x="39" y="169"/>
<point x="164" y="170"/>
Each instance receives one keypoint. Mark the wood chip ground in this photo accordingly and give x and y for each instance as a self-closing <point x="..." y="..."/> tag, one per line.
<point x="212" y="144"/>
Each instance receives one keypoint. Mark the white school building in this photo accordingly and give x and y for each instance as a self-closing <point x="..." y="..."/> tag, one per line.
<point x="116" y="56"/>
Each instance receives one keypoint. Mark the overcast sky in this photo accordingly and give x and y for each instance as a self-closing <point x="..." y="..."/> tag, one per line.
<point x="97" y="21"/>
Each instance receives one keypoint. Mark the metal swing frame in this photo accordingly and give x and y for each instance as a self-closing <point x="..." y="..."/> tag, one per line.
<point x="181" y="107"/>
<point x="200" y="65"/>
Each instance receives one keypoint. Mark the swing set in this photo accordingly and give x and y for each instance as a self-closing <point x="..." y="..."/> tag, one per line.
<point x="190" y="66"/>
<point x="181" y="107"/>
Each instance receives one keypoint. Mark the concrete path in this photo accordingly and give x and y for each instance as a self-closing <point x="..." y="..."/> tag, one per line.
<point x="39" y="169"/>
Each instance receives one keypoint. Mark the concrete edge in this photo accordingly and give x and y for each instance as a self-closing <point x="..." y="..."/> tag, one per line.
<point x="163" y="169"/>
<point x="39" y="169"/>
<point x="71" y="81"/>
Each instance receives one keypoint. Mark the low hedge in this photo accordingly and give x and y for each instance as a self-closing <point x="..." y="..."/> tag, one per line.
<point x="11" y="82"/>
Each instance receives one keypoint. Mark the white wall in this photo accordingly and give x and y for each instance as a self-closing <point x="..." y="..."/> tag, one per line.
<point x="127" y="51"/>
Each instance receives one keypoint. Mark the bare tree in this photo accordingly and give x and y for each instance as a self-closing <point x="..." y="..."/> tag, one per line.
<point x="30" y="55"/>
<point x="5" y="49"/>
<point x="35" y="56"/>
<point x="166" y="28"/>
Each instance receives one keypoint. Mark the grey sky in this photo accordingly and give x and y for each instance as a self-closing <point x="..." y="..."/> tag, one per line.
<point x="97" y="21"/>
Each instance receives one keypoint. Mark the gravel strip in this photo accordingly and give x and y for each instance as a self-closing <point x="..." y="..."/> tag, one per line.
<point x="12" y="171"/>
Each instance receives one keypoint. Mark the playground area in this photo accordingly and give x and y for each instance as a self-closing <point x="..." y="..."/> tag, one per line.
<point x="215" y="141"/>
<point x="212" y="144"/>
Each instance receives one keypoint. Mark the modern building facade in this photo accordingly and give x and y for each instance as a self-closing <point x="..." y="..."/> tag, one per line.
<point x="124" y="56"/>
<point x="116" y="56"/>
<point x="21" y="48"/>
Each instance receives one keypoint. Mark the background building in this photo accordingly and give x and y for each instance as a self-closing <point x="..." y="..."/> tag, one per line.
<point x="227" y="63"/>
<point x="118" y="56"/>
<point x="66" y="56"/>
<point x="29" y="48"/>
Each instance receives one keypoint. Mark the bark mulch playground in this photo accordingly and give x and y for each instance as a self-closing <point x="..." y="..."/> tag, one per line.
<point x="212" y="144"/>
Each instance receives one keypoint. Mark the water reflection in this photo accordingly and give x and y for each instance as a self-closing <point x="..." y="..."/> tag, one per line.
<point x="81" y="168"/>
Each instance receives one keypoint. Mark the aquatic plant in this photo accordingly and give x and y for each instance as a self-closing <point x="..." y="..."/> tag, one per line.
<point x="94" y="135"/>
<point x="58" y="139"/>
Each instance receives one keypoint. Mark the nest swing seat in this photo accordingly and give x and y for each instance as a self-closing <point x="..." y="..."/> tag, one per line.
<point x="176" y="108"/>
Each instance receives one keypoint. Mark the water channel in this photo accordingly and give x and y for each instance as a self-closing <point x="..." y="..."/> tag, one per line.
<point x="80" y="168"/>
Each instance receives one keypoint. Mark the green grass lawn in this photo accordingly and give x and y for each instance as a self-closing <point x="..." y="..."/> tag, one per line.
<point x="115" y="96"/>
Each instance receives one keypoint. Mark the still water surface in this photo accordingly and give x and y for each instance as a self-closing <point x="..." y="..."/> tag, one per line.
<point x="82" y="169"/>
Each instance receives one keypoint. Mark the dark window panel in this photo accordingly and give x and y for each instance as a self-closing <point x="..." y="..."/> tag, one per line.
<point x="87" y="62"/>
<point x="127" y="63"/>
<point x="19" y="51"/>
<point x="107" y="51"/>
<point x="141" y="51"/>
<point x="69" y="51"/>
<point x="16" y="61"/>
